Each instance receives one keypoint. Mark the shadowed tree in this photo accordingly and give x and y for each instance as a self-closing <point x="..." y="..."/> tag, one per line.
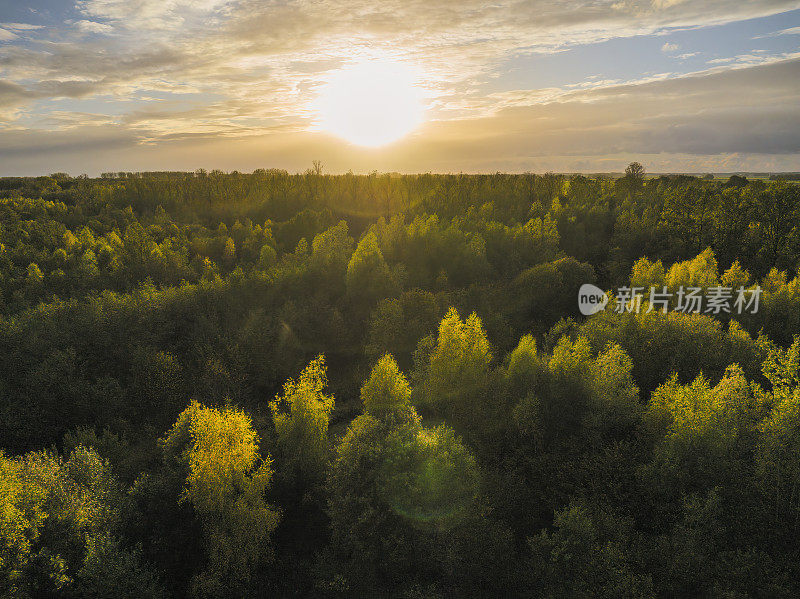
<point x="368" y="276"/>
<point x="397" y="491"/>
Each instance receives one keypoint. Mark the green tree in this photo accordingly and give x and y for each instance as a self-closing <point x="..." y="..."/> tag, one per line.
<point x="267" y="257"/>
<point x="701" y="271"/>
<point x="301" y="418"/>
<point x="54" y="516"/>
<point x="454" y="376"/>
<point x="368" y="276"/>
<point x="633" y="181"/>
<point x="109" y="571"/>
<point x="634" y="170"/>
<point x="647" y="274"/>
<point x="585" y="557"/>
<point x="396" y="490"/>
<point x="778" y="456"/>
<point x="331" y="249"/>
<point x="225" y="484"/>
<point x="704" y="435"/>
<point x="397" y="324"/>
<point x="229" y="253"/>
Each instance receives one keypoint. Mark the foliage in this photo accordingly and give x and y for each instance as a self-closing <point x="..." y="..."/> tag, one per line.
<point x="616" y="455"/>
<point x="56" y="523"/>
<point x="225" y="485"/>
<point x="301" y="419"/>
<point x="368" y="277"/>
<point x="396" y="490"/>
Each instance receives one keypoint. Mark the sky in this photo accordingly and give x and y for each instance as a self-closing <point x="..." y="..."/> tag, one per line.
<point x="91" y="86"/>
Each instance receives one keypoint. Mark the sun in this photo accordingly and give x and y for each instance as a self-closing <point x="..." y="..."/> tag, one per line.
<point x="371" y="102"/>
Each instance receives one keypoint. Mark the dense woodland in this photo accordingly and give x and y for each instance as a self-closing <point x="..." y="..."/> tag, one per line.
<point x="232" y="385"/>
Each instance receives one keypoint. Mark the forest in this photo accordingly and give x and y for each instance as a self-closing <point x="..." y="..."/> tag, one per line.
<point x="311" y="385"/>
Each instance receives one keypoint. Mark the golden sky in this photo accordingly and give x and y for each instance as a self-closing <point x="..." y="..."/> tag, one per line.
<point x="586" y="85"/>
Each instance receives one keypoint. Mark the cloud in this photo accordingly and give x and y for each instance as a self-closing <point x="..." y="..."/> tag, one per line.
<point x="218" y="69"/>
<point x="72" y="88"/>
<point x="753" y="59"/>
<point x="663" y="4"/>
<point x="93" y="27"/>
<point x="149" y="14"/>
<point x="695" y="123"/>
<point x="12" y="94"/>
<point x="12" y="31"/>
<point x="12" y="97"/>
<point x="21" y="26"/>
<point x="22" y="143"/>
<point x="702" y="114"/>
<point x="790" y="31"/>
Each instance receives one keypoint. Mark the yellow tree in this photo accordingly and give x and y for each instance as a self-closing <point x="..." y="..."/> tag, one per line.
<point x="225" y="485"/>
<point x="301" y="423"/>
<point x="455" y="376"/>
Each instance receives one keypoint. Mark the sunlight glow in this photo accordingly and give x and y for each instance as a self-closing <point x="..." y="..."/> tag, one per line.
<point x="371" y="103"/>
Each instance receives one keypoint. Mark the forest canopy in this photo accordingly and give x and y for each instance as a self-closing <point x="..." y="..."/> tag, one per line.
<point x="271" y="384"/>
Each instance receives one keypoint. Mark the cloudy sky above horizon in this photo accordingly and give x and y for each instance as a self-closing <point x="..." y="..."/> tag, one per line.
<point x="89" y="86"/>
